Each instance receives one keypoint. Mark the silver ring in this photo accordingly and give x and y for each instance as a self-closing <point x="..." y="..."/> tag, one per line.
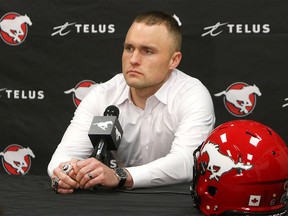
<point x="90" y="175"/>
<point x="55" y="183"/>
<point x="66" y="168"/>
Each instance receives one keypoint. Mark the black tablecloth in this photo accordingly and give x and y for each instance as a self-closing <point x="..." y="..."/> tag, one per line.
<point x="32" y="195"/>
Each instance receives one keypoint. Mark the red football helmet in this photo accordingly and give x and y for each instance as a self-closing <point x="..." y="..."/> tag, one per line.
<point x="241" y="169"/>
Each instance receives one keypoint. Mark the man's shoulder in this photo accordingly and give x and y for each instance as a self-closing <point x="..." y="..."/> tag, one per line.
<point x="184" y="76"/>
<point x="117" y="78"/>
<point x="185" y="81"/>
<point x="113" y="90"/>
<point x="116" y="82"/>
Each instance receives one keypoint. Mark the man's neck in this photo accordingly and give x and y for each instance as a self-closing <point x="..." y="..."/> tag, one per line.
<point x="139" y="97"/>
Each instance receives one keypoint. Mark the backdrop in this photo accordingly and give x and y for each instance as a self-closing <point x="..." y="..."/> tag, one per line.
<point x="52" y="51"/>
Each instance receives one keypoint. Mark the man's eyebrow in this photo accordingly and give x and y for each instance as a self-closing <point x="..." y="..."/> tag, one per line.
<point x="147" y="47"/>
<point x="126" y="44"/>
<point x="141" y="45"/>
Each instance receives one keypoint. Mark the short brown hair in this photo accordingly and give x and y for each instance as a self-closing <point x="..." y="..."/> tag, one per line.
<point x="157" y="18"/>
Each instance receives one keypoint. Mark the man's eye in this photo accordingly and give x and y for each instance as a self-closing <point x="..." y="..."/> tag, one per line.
<point x="148" y="51"/>
<point x="128" y="48"/>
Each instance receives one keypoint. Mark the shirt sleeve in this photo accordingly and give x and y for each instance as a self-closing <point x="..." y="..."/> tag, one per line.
<point x="75" y="142"/>
<point x="196" y="120"/>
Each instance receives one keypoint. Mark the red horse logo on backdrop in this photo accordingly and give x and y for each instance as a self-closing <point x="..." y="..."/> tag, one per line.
<point x="81" y="90"/>
<point x="14" y="28"/>
<point x="240" y="98"/>
<point x="16" y="160"/>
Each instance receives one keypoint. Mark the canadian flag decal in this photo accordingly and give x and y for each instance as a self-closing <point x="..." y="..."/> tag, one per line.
<point x="254" y="200"/>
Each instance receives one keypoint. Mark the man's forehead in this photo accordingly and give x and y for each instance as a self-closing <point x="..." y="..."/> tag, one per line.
<point x="142" y="25"/>
<point x="146" y="33"/>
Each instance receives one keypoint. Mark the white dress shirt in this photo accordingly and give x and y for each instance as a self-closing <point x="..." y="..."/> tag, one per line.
<point x="158" y="142"/>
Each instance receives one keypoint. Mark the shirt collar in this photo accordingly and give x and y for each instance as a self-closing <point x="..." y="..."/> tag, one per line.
<point x="163" y="92"/>
<point x="124" y="96"/>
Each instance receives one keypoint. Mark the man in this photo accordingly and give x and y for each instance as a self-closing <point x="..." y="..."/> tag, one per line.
<point x="165" y="114"/>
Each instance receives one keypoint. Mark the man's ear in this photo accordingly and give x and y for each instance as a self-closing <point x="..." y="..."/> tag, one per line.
<point x="175" y="60"/>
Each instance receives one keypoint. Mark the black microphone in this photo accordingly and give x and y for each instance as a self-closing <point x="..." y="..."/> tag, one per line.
<point x="105" y="133"/>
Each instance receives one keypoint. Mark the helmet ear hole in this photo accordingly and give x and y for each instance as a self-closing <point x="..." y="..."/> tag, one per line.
<point x="212" y="190"/>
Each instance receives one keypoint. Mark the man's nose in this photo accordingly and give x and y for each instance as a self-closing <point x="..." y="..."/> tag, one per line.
<point x="135" y="57"/>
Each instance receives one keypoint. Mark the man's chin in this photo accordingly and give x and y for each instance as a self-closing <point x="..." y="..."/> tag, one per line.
<point x="133" y="82"/>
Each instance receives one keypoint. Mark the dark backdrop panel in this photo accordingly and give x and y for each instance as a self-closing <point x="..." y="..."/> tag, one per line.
<point x="35" y="74"/>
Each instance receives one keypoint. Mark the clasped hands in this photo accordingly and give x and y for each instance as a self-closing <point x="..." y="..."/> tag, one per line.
<point x="82" y="174"/>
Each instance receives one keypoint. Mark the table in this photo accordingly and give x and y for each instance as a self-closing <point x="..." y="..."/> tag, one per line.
<point x="32" y="195"/>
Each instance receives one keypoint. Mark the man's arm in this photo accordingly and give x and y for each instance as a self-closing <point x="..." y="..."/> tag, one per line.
<point x="196" y="121"/>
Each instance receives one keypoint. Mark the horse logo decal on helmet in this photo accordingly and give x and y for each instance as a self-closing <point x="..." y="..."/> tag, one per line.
<point x="219" y="163"/>
<point x="240" y="98"/>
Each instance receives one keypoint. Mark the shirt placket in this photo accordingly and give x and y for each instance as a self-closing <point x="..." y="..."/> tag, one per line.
<point x="146" y="133"/>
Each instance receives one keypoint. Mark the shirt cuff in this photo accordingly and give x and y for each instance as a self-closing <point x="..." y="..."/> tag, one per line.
<point x="140" y="175"/>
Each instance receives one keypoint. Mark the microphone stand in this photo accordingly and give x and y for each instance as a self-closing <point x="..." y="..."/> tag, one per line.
<point x="100" y="152"/>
